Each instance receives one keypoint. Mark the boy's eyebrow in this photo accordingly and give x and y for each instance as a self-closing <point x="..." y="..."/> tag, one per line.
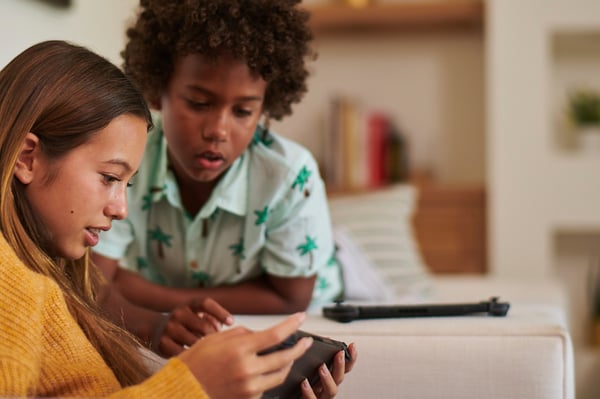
<point x="209" y="92"/>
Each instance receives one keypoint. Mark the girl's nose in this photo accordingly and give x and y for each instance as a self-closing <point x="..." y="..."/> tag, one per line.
<point x="117" y="207"/>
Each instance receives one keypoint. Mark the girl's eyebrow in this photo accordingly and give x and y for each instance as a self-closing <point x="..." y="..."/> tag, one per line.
<point x="124" y="164"/>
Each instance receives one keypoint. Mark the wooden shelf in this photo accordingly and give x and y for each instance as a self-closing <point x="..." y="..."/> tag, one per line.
<point x="450" y="228"/>
<point x="393" y="16"/>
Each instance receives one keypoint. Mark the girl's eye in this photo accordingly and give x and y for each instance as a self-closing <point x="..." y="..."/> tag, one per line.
<point x="110" y="179"/>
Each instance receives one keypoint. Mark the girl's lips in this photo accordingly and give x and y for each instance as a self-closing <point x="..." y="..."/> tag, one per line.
<point x="92" y="237"/>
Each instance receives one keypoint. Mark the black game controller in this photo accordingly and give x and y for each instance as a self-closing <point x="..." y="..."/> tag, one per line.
<point x="322" y="350"/>
<point x="347" y="313"/>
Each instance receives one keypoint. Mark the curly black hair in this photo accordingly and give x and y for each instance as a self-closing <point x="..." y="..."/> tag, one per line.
<point x="272" y="36"/>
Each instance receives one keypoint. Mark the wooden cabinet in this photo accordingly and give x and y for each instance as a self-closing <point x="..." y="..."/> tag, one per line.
<point x="450" y="227"/>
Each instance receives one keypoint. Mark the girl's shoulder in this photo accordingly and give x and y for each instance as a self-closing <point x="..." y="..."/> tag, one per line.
<point x="27" y="296"/>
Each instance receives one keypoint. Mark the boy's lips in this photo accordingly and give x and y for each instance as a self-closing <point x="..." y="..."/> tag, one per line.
<point x="210" y="160"/>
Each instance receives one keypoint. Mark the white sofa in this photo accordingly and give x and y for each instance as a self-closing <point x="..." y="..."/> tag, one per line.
<point x="527" y="354"/>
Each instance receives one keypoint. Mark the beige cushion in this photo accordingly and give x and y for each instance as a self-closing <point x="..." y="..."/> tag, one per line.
<point x="379" y="224"/>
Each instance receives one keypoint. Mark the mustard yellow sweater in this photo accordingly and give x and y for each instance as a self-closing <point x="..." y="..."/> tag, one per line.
<point x="43" y="352"/>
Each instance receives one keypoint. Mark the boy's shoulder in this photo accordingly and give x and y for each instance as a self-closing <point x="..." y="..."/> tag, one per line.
<point x="155" y="137"/>
<point x="151" y="176"/>
<point x="272" y="147"/>
<point x="275" y="163"/>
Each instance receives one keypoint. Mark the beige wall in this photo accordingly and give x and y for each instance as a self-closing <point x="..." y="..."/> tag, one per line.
<point x="98" y="24"/>
<point x="536" y="187"/>
<point x="544" y="214"/>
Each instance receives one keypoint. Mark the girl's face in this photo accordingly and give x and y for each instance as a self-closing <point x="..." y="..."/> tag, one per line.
<point x="79" y="195"/>
<point x="209" y="115"/>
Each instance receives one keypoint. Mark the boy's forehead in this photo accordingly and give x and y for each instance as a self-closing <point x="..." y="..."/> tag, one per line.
<point x="213" y="58"/>
<point x="199" y="65"/>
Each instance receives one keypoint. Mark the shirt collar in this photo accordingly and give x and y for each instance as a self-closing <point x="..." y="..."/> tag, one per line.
<point x="230" y="193"/>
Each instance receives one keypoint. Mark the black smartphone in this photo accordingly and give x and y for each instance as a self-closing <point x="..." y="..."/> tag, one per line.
<point x="307" y="366"/>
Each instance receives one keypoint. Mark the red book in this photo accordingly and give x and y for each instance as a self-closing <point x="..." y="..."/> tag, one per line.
<point x="377" y="131"/>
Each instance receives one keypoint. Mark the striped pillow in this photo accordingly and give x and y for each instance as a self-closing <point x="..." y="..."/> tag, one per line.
<point x="380" y="223"/>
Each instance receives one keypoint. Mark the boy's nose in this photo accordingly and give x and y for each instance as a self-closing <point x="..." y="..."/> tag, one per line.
<point x="215" y="134"/>
<point x="217" y="128"/>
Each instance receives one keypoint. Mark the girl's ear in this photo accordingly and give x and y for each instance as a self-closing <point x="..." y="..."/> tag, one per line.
<point x="27" y="160"/>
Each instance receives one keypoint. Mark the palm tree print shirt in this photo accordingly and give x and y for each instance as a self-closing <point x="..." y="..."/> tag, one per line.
<point x="268" y="214"/>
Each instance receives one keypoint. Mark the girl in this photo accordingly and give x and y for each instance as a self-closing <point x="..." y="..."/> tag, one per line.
<point x="72" y="134"/>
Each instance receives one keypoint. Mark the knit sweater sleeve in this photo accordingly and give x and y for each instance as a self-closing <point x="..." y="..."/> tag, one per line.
<point x="43" y="352"/>
<point x="173" y="377"/>
<point x="21" y="315"/>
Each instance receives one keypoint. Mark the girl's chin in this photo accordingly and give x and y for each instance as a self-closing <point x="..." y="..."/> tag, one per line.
<point x="71" y="253"/>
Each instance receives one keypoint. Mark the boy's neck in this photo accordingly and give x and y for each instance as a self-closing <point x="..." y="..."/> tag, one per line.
<point x="194" y="194"/>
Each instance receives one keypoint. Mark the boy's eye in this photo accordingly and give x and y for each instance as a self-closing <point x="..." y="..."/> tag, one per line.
<point x="196" y="104"/>
<point x="242" y="112"/>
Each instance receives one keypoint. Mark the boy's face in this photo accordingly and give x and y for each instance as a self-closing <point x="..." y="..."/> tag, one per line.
<point x="209" y="114"/>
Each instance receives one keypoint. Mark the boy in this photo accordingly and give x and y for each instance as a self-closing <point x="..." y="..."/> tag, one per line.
<point x="222" y="207"/>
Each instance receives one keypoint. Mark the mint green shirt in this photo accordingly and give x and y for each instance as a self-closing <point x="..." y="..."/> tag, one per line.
<point x="268" y="214"/>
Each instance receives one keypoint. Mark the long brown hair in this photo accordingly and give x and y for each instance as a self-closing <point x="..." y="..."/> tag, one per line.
<point x="64" y="94"/>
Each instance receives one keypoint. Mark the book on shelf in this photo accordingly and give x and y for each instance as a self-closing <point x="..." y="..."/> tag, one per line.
<point x="364" y="148"/>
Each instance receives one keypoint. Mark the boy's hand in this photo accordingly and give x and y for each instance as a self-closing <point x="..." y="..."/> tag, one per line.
<point x="187" y="323"/>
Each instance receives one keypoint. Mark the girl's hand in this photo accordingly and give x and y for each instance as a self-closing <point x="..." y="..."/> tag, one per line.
<point x="327" y="386"/>
<point x="186" y="324"/>
<point x="227" y="364"/>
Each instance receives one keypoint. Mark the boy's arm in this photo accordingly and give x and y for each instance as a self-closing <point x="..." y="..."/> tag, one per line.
<point x="138" y="320"/>
<point x="269" y="294"/>
<point x="166" y="334"/>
